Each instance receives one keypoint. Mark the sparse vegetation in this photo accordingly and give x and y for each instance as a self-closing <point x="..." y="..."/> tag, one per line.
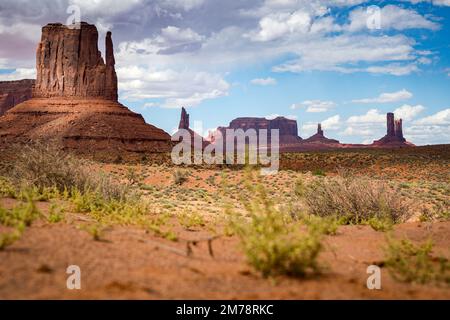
<point x="408" y="262"/>
<point x="19" y="218"/>
<point x="180" y="176"/>
<point x="273" y="243"/>
<point x="46" y="170"/>
<point x="356" y="200"/>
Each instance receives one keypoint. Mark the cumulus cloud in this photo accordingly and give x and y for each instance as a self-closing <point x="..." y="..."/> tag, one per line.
<point x="275" y="26"/>
<point x="441" y="118"/>
<point x="314" y="105"/>
<point x="432" y="129"/>
<point x="331" y="123"/>
<point x="264" y="81"/>
<point x="392" y="17"/>
<point x="175" y="88"/>
<point x="387" y="97"/>
<point x="372" y="116"/>
<point x="332" y="54"/>
<point x="407" y="112"/>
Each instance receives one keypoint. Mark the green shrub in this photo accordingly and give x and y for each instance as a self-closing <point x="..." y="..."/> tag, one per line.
<point x="180" y="176"/>
<point x="414" y="263"/>
<point x="7" y="239"/>
<point x="355" y="200"/>
<point x="20" y="216"/>
<point x="56" y="214"/>
<point x="273" y="243"/>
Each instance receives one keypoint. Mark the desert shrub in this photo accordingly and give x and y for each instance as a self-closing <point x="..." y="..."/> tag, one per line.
<point x="414" y="263"/>
<point x="191" y="220"/>
<point x="356" y="200"/>
<point x="56" y="213"/>
<point x="95" y="230"/>
<point x="7" y="239"/>
<point x="18" y="218"/>
<point x="129" y="211"/>
<point x="273" y="243"/>
<point x="324" y="225"/>
<point x="319" y="172"/>
<point x="46" y="170"/>
<point x="180" y="176"/>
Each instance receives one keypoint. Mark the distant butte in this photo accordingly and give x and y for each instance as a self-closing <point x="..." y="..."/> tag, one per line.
<point x="394" y="136"/>
<point x="75" y="99"/>
<point x="320" y="138"/>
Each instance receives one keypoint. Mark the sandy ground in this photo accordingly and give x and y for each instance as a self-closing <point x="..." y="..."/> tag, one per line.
<point x="132" y="264"/>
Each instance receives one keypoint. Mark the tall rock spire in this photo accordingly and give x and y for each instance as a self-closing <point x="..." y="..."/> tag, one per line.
<point x="111" y="76"/>
<point x="184" y="120"/>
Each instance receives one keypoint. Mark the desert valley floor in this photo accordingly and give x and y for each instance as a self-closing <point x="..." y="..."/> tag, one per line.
<point x="181" y="248"/>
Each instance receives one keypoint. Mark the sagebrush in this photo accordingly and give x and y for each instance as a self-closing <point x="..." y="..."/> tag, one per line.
<point x="355" y="200"/>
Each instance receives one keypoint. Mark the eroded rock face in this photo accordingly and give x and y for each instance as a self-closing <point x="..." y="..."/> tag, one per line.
<point x="14" y="92"/>
<point x="69" y="64"/>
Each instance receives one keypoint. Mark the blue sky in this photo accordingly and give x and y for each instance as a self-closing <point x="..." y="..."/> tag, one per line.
<point x="344" y="63"/>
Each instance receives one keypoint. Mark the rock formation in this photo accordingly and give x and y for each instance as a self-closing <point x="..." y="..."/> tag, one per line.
<point x="69" y="64"/>
<point x="14" y="92"/>
<point x="320" y="138"/>
<point x="394" y="136"/>
<point x="184" y="125"/>
<point x="75" y="100"/>
<point x="288" y="131"/>
<point x="184" y="120"/>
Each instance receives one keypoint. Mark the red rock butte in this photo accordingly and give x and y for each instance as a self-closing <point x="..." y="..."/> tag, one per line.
<point x="75" y="99"/>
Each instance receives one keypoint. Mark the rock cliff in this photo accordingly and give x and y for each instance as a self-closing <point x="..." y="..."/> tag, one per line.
<point x="14" y="92"/>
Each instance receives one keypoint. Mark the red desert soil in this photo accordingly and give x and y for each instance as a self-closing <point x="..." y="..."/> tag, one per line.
<point x="132" y="264"/>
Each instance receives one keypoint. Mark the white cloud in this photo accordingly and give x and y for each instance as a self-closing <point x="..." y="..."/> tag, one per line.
<point x="394" y="69"/>
<point x="18" y="74"/>
<point x="185" y="88"/>
<point x="314" y="105"/>
<point x="407" y="112"/>
<point x="275" y="26"/>
<point x="387" y="97"/>
<point x="333" y="54"/>
<point x="264" y="81"/>
<point x="441" y="118"/>
<point x="372" y="116"/>
<point x="331" y="123"/>
<point x="105" y="7"/>
<point x="392" y="17"/>
<point x="183" y="4"/>
<point x="352" y="131"/>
